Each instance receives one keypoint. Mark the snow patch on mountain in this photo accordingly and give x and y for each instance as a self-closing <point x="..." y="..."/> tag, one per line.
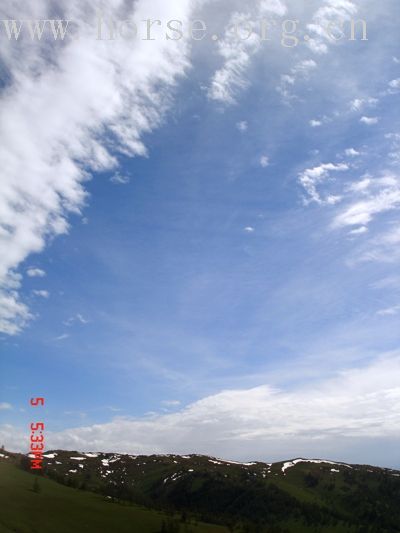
<point x="289" y="464"/>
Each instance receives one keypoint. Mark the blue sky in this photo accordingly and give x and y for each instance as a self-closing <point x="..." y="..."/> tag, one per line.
<point x="232" y="285"/>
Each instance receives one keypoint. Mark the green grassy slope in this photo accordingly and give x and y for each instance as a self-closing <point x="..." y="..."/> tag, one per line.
<point x="60" y="509"/>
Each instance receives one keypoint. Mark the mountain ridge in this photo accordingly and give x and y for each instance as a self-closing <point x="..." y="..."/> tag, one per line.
<point x="295" y="495"/>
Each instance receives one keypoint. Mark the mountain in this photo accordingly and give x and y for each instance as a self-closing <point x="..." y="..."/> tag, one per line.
<point x="294" y="496"/>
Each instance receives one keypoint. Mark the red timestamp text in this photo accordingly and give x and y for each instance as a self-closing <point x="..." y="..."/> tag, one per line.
<point x="36" y="438"/>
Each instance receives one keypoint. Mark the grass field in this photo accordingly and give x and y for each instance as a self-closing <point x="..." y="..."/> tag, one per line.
<point x="60" y="509"/>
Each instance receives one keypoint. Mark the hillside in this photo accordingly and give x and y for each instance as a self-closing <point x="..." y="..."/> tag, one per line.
<point x="298" y="495"/>
<point x="53" y="508"/>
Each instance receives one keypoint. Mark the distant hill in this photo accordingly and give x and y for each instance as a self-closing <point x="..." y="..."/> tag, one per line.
<point x="194" y="493"/>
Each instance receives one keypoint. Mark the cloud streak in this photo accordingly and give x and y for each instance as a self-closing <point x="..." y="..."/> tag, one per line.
<point x="237" y="53"/>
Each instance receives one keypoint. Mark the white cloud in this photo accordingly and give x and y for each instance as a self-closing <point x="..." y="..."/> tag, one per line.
<point x="4" y="406"/>
<point x="264" y="161"/>
<point x="358" y="104"/>
<point x="88" y="96"/>
<point x="363" y="212"/>
<point x="12" y="437"/>
<point x="119" y="179"/>
<point x="361" y="186"/>
<point x="315" y="123"/>
<point x="236" y="54"/>
<point x="389" y="282"/>
<point x="35" y="272"/>
<point x="304" y="67"/>
<point x="41" y="293"/>
<point x="324" y="419"/>
<point x="332" y="199"/>
<point x="300" y="71"/>
<point x="372" y="200"/>
<point x="171" y="403"/>
<point x="330" y="11"/>
<point x="242" y="126"/>
<point x="351" y="152"/>
<point x="81" y="319"/>
<point x="238" y="51"/>
<point x="393" y="87"/>
<point x="394" y="153"/>
<point x="312" y="177"/>
<point x="359" y="231"/>
<point x="382" y="248"/>
<point x="62" y="337"/>
<point x="369" y="121"/>
<point x="76" y="318"/>
<point x="390" y="311"/>
<point x="14" y="315"/>
<point x="395" y="84"/>
<point x="249" y="229"/>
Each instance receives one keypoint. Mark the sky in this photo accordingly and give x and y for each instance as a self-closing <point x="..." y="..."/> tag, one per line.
<point x="199" y="240"/>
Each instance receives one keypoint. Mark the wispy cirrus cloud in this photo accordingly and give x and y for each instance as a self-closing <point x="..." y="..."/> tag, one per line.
<point x="237" y="51"/>
<point x="382" y="247"/>
<point x="120" y="179"/>
<point x="62" y="337"/>
<point x="330" y="11"/>
<point x="301" y="71"/>
<point x="76" y="319"/>
<point x="362" y="212"/>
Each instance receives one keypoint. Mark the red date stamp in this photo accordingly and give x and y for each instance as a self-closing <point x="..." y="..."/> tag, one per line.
<point x="37" y="438"/>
